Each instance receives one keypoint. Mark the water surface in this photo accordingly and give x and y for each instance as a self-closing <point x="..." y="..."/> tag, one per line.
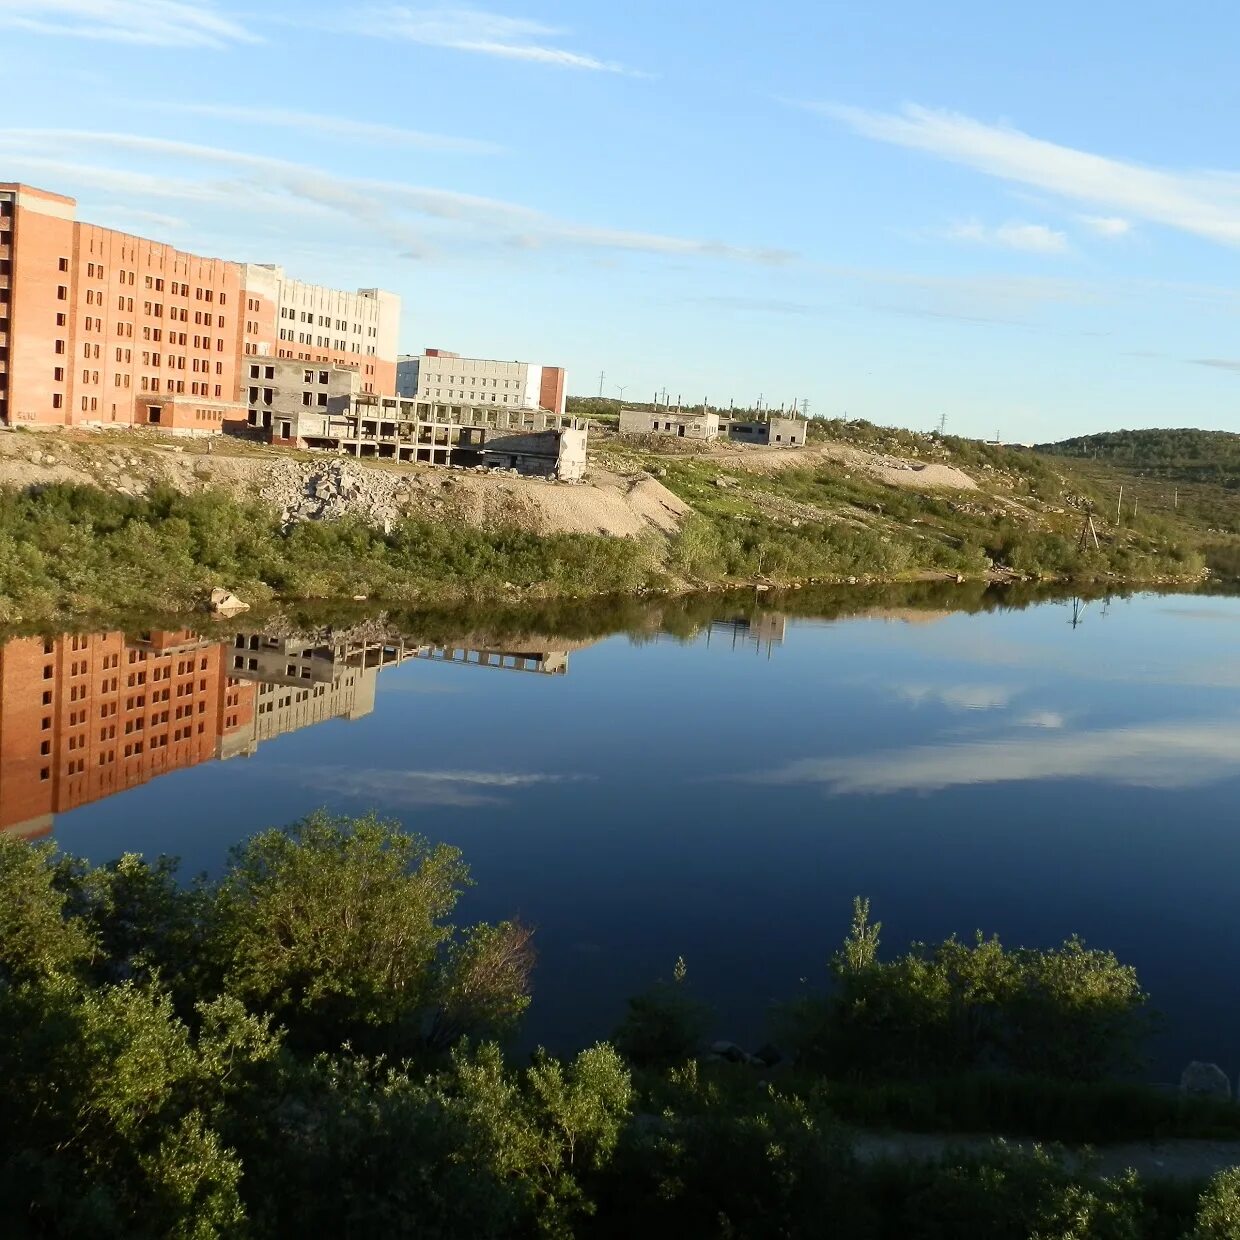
<point x="721" y="794"/>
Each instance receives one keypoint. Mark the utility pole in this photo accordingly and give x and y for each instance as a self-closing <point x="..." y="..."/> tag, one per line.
<point x="805" y="410"/>
<point x="942" y="424"/>
<point x="602" y="374"/>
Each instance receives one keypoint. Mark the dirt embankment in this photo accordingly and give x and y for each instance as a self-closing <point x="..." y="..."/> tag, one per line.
<point x="305" y="486"/>
<point x="896" y="471"/>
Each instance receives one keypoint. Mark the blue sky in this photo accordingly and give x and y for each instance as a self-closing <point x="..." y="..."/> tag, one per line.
<point x="1025" y="218"/>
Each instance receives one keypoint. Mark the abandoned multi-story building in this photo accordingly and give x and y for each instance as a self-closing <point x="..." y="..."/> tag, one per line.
<point x="322" y="407"/>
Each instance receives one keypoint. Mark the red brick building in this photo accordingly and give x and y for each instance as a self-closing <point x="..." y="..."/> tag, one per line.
<point x="98" y="327"/>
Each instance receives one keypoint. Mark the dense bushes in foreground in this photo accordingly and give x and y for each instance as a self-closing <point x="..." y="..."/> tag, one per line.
<point x="308" y="1045"/>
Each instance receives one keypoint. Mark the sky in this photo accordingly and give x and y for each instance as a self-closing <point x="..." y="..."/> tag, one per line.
<point x="1022" y="219"/>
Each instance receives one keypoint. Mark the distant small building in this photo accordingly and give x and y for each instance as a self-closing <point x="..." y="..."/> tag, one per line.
<point x="680" y="423"/>
<point x="774" y="432"/>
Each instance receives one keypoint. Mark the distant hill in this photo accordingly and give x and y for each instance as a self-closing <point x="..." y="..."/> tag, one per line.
<point x="1189" y="455"/>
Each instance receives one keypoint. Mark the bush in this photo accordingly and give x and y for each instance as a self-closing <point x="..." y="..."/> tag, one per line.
<point x="664" y="1025"/>
<point x="1070" y="1013"/>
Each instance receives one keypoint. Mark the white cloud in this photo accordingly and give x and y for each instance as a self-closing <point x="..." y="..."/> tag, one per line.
<point x="337" y="126"/>
<point x="1051" y="719"/>
<point x="1032" y="238"/>
<point x="389" y="209"/>
<point x="489" y="34"/>
<point x="153" y="23"/>
<point x="1107" y="225"/>
<point x="1169" y="755"/>
<point x="1204" y="203"/>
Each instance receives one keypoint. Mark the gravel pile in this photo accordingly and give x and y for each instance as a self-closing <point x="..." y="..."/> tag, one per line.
<point x="331" y="491"/>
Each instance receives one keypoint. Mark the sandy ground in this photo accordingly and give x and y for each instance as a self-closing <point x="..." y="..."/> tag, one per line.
<point x="607" y="503"/>
<point x="1163" y="1160"/>
<point x="896" y="471"/>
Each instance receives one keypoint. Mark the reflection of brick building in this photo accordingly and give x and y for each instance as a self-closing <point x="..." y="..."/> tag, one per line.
<point x="83" y="717"/>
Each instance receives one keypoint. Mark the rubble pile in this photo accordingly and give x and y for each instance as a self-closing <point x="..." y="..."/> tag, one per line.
<point x="328" y="492"/>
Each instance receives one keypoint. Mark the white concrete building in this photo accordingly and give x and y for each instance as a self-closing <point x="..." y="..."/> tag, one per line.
<point x="294" y="319"/>
<point x="437" y="375"/>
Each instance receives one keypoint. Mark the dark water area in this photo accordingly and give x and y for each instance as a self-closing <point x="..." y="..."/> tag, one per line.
<point x="712" y="778"/>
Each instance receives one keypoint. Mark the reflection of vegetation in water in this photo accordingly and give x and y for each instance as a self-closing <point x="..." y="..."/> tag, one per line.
<point x="288" y="1050"/>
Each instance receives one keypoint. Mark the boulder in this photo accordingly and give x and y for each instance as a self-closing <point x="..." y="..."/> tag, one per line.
<point x="729" y="1051"/>
<point x="768" y="1055"/>
<point x="1205" y="1080"/>
<point x="225" y="603"/>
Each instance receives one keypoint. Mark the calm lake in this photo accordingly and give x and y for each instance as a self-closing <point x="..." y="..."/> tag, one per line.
<point x="721" y="793"/>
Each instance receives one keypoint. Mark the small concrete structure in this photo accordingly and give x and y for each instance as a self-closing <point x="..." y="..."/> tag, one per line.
<point x="774" y="432"/>
<point x="680" y="423"/>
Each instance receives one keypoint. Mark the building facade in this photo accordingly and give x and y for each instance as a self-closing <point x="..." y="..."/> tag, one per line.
<point x="310" y="323"/>
<point x="438" y="375"/>
<point x="102" y="328"/>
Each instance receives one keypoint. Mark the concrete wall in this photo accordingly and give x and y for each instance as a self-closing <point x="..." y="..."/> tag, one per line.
<point x="407" y="376"/>
<point x="291" y="400"/>
<point x="572" y="463"/>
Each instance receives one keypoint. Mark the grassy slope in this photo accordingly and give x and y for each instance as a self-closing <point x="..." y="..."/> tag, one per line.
<point x="82" y="551"/>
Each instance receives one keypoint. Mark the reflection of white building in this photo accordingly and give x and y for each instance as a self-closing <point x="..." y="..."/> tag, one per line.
<point x="300" y="681"/>
<point x="768" y="629"/>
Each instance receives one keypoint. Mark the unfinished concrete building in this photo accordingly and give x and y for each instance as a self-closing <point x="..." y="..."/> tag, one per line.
<point x="683" y="424"/>
<point x="773" y="432"/>
<point x="321" y="407"/>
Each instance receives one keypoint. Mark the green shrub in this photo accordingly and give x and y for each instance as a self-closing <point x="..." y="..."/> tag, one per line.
<point x="664" y="1025"/>
<point x="1070" y="1013"/>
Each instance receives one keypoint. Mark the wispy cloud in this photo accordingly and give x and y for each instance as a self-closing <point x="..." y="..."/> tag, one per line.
<point x="1107" y="225"/>
<point x="339" y="127"/>
<point x="1168" y="756"/>
<point x="464" y="789"/>
<point x="1204" y="203"/>
<point x="1218" y="363"/>
<point x="487" y="34"/>
<point x="153" y="23"/>
<point x="1014" y="235"/>
<point x="388" y="209"/>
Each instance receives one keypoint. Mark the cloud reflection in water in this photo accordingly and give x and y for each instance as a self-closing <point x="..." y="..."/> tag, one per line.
<point x="1167" y="755"/>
